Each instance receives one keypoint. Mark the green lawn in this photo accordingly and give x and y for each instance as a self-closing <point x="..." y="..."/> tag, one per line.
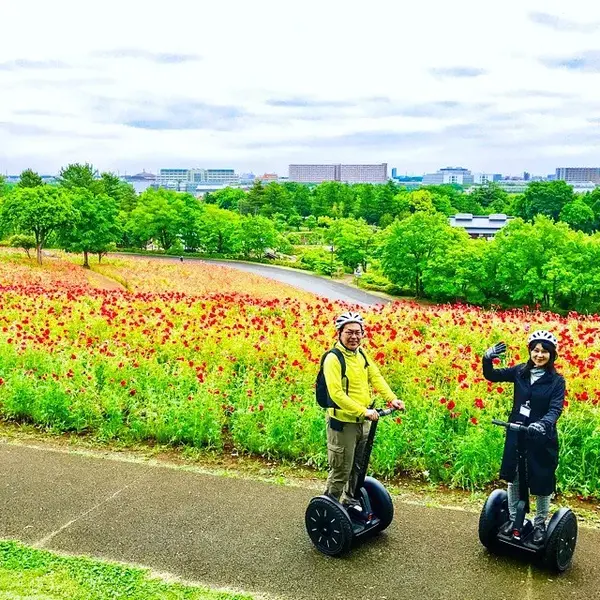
<point x="40" y="575"/>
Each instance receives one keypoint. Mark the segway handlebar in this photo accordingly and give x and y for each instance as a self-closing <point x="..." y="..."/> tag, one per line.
<point x="383" y="412"/>
<point x="512" y="426"/>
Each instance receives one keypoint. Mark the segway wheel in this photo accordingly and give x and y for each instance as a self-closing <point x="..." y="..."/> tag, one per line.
<point x="328" y="526"/>
<point x="381" y="503"/>
<point x="561" y="541"/>
<point x="493" y="514"/>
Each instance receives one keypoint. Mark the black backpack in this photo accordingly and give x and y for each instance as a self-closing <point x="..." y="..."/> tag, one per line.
<point x="321" y="393"/>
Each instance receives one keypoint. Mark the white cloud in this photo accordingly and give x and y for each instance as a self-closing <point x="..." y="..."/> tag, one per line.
<point x="258" y="85"/>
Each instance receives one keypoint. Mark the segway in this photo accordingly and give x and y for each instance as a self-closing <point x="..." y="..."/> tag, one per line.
<point x="333" y="527"/>
<point x="556" y="552"/>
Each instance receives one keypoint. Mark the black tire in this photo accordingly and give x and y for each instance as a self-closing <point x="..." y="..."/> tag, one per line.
<point x="381" y="503"/>
<point x="493" y="514"/>
<point x="561" y="541"/>
<point x="328" y="526"/>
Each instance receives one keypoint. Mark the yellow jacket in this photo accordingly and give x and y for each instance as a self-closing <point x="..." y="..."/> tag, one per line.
<point x="353" y="405"/>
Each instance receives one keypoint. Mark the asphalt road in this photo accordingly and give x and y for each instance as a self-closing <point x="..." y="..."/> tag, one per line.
<point x="250" y="535"/>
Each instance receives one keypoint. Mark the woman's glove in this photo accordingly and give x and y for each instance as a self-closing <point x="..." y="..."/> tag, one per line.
<point x="495" y="351"/>
<point x="536" y="429"/>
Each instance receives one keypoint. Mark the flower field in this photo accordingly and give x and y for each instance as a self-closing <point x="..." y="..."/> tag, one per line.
<point x="235" y="367"/>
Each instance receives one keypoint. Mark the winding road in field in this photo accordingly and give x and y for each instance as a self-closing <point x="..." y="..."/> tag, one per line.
<point x="321" y="286"/>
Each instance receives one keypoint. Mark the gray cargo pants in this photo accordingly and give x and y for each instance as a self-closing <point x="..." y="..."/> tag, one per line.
<point x="345" y="450"/>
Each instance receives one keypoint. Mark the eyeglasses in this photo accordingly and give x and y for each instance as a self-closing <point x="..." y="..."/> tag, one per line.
<point x="353" y="333"/>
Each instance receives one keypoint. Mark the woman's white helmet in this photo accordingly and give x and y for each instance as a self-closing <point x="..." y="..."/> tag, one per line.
<point x="348" y="317"/>
<point x="541" y="335"/>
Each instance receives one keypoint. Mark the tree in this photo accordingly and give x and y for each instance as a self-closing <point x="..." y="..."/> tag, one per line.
<point x="95" y="229"/>
<point x="122" y="192"/>
<point x="29" y="179"/>
<point x="254" y="200"/>
<point x="488" y="194"/>
<point x="546" y="198"/>
<point x="255" y="234"/>
<point x="352" y="239"/>
<point x="228" y="198"/>
<point x="77" y="175"/>
<point x="578" y="215"/>
<point x="217" y="229"/>
<point x="301" y="197"/>
<point x="39" y="211"/>
<point x="295" y="221"/>
<point x="160" y="215"/>
<point x="530" y="261"/>
<point x="459" y="272"/>
<point x="27" y="242"/>
<point x="275" y="199"/>
<point x="409" y="246"/>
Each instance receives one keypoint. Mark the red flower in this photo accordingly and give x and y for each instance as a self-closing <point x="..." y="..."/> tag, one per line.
<point x="1" y="381"/>
<point x="499" y="389"/>
<point x="132" y="392"/>
<point x="442" y="400"/>
<point x="398" y="420"/>
<point x="123" y="383"/>
<point x="451" y="405"/>
<point x="479" y="403"/>
<point x="474" y="420"/>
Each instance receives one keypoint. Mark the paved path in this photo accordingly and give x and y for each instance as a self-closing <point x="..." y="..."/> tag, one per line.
<point x="240" y="533"/>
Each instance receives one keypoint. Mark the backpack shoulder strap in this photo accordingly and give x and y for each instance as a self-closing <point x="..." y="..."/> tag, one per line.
<point x="341" y="358"/>
<point x="364" y="356"/>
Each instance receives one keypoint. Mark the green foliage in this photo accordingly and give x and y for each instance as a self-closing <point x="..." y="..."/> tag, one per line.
<point x="578" y="215"/>
<point x="352" y="240"/>
<point x="255" y="234"/>
<point x="320" y="261"/>
<point x="29" y="179"/>
<point x="80" y="176"/>
<point x="94" y="228"/>
<point x="27" y="242"/>
<point x="217" y="229"/>
<point x="164" y="216"/>
<point x="39" y="211"/>
<point x="306" y="238"/>
<point x="411" y="244"/>
<point x="458" y="273"/>
<point x="545" y="198"/>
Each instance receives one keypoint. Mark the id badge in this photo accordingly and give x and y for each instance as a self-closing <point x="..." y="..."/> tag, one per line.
<point x="525" y="410"/>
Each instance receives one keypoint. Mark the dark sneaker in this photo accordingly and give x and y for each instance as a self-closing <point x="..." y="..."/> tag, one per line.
<point x="539" y="534"/>
<point x="507" y="528"/>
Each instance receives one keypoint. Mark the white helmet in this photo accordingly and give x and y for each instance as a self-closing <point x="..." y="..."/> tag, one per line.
<point x="348" y="317"/>
<point x="542" y="335"/>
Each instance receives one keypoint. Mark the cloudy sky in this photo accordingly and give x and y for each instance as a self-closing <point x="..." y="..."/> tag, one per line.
<point x="420" y="84"/>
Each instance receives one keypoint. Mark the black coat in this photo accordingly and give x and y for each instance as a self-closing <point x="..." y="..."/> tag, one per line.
<point x="546" y="397"/>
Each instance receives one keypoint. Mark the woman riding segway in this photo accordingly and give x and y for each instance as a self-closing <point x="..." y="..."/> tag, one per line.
<point x="539" y="393"/>
<point x="530" y="455"/>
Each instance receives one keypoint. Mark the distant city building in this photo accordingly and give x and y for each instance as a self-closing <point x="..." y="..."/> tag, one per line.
<point x="247" y="178"/>
<point x="483" y="178"/>
<point x="526" y="176"/>
<point x="447" y="175"/>
<point x="477" y="226"/>
<point x="268" y="177"/>
<point x="339" y="172"/>
<point x="514" y="186"/>
<point x="578" y="174"/>
<point x="189" y="179"/>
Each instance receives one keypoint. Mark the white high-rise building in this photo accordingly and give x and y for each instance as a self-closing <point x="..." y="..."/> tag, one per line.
<point x="338" y="172"/>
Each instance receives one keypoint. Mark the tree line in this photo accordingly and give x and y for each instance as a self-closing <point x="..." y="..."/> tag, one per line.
<point x="401" y="238"/>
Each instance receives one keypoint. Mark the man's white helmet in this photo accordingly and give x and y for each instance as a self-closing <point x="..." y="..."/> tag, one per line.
<point x="348" y="317"/>
<point x="541" y="335"/>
